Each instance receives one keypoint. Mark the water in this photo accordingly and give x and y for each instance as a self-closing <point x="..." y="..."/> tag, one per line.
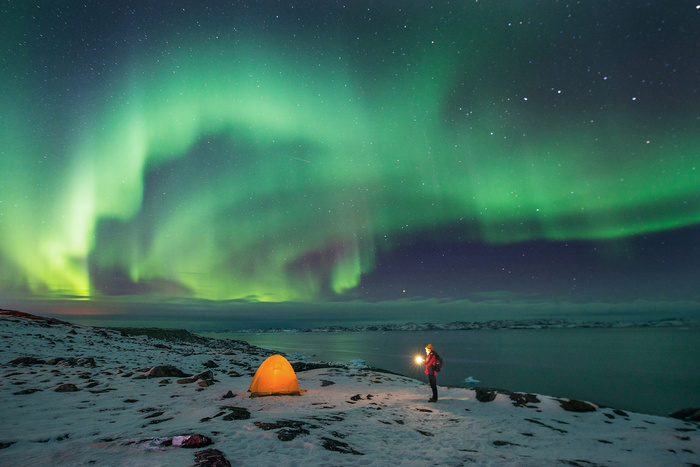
<point x="647" y="370"/>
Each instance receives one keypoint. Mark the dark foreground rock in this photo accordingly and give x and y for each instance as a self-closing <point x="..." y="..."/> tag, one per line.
<point x="485" y="394"/>
<point x="339" y="446"/>
<point x="308" y="366"/>
<point x="237" y="413"/>
<point x="66" y="388"/>
<point x="690" y="414"/>
<point x="196" y="441"/>
<point x="576" y="406"/>
<point x="170" y="335"/>
<point x="163" y="371"/>
<point x="204" y="376"/>
<point x="27" y="361"/>
<point x="520" y="399"/>
<point x="211" y="458"/>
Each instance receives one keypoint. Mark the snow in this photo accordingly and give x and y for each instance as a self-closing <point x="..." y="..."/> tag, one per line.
<point x="350" y="414"/>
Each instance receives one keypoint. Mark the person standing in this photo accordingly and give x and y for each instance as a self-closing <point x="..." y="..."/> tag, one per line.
<point x="430" y="362"/>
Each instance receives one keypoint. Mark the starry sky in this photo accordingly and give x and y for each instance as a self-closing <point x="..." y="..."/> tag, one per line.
<point x="330" y="152"/>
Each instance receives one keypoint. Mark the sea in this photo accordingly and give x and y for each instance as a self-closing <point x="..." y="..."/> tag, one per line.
<point x="639" y="369"/>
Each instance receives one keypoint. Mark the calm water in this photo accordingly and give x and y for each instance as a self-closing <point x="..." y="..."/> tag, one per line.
<point x="646" y="370"/>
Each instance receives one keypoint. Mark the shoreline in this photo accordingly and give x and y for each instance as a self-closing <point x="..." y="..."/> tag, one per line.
<point x="83" y="395"/>
<point x="307" y="362"/>
<point x="609" y="366"/>
<point x="491" y="325"/>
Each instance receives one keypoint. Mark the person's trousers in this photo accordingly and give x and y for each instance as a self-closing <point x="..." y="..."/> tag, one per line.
<point x="432" y="379"/>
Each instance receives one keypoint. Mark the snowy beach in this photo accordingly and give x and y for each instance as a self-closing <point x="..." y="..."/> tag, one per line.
<point x="78" y="395"/>
<point x="605" y="365"/>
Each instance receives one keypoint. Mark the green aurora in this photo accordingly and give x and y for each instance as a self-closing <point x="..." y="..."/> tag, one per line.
<point x="270" y="159"/>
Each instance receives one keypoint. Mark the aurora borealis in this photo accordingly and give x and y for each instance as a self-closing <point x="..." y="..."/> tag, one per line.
<point x="310" y="151"/>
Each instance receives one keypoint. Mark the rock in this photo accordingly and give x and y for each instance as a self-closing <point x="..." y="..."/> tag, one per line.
<point x="307" y="366"/>
<point x="504" y="443"/>
<point x="211" y="458"/>
<point x="267" y="426"/>
<point x="26" y="391"/>
<point x="237" y="413"/>
<point x="288" y="429"/>
<point x="205" y="383"/>
<point x="86" y="361"/>
<point x="70" y="361"/>
<point x="234" y="374"/>
<point x="288" y="434"/>
<point x="171" y="335"/>
<point x="154" y="414"/>
<point x="156" y="421"/>
<point x="228" y="395"/>
<point x="27" y="361"/>
<point x="691" y="414"/>
<point x="521" y="399"/>
<point x="66" y="388"/>
<point x="576" y="406"/>
<point x="55" y="361"/>
<point x="485" y="394"/>
<point x="339" y="446"/>
<point x="164" y="371"/>
<point x="5" y="445"/>
<point x="196" y="441"/>
<point x="207" y="376"/>
<point x="210" y="364"/>
<point x="537" y="422"/>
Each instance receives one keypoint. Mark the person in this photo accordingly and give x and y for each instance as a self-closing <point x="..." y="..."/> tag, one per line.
<point x="430" y="361"/>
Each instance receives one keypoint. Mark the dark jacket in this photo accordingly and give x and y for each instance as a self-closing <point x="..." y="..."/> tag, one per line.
<point x="430" y="362"/>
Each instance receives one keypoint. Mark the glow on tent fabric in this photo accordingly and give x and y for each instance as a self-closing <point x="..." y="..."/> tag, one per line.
<point x="275" y="377"/>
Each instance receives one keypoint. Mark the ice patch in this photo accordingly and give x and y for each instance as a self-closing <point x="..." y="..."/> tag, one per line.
<point x="471" y="380"/>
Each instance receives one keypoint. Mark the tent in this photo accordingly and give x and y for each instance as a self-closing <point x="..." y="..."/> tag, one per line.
<point x="275" y="377"/>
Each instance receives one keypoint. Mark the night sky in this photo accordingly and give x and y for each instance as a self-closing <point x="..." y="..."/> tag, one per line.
<point x="364" y="152"/>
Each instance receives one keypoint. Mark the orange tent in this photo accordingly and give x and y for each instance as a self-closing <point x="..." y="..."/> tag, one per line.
<point x="275" y="377"/>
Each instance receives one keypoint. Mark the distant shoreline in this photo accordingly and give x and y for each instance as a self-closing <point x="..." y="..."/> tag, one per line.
<point x="493" y="325"/>
<point x="170" y="336"/>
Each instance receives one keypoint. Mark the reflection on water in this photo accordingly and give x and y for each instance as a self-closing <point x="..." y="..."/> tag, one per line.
<point x="646" y="370"/>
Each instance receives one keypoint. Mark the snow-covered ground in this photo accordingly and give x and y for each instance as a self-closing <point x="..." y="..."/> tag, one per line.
<point x="350" y="415"/>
